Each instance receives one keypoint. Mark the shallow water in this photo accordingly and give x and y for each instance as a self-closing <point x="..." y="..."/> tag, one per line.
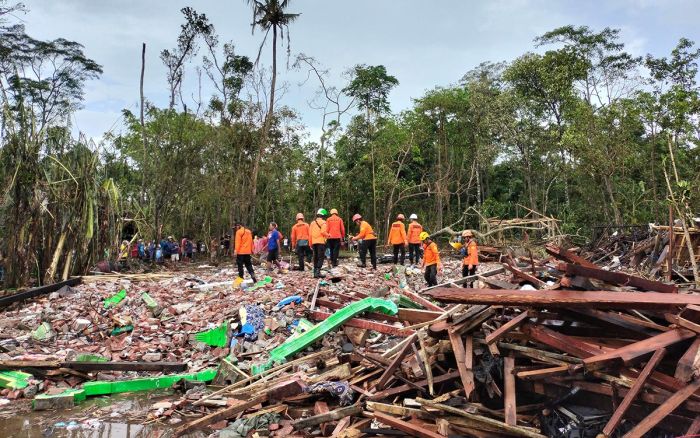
<point x="100" y="417"/>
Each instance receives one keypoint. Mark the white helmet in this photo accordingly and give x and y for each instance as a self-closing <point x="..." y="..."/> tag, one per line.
<point x="413" y="216"/>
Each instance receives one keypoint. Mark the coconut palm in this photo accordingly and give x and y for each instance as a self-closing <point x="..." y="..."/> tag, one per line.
<point x="269" y="15"/>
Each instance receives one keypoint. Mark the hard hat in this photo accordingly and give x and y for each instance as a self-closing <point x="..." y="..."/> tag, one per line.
<point x="356" y="217"/>
<point x="300" y="216"/>
<point x="334" y="211"/>
<point x="413" y="216"/>
<point x="456" y="245"/>
<point x="321" y="212"/>
<point x="424" y="235"/>
<point x="467" y="233"/>
<point x="400" y="217"/>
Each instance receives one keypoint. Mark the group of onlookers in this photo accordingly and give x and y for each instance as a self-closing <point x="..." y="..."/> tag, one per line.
<point x="167" y="249"/>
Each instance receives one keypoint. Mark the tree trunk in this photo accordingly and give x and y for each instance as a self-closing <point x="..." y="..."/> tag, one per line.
<point x="613" y="203"/>
<point x="48" y="278"/>
<point x="67" y="266"/>
<point x="266" y="129"/>
<point x="145" y="173"/>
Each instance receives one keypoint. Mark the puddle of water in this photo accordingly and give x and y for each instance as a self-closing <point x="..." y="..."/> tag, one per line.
<point x="101" y="417"/>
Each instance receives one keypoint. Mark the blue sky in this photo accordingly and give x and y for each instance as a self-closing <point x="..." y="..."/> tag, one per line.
<point x="423" y="43"/>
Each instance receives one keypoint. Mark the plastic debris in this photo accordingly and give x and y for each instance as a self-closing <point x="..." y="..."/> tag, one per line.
<point x="296" y="299"/>
<point x="115" y="299"/>
<point x="14" y="379"/>
<point x="216" y="337"/>
<point x="43" y="332"/>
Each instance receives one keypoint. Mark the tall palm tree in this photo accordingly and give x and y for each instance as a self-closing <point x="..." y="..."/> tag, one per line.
<point x="269" y="15"/>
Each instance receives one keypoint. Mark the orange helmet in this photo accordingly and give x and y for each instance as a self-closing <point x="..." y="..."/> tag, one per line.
<point x="356" y="217"/>
<point x="334" y="211"/>
<point x="400" y="217"/>
<point x="300" y="216"/>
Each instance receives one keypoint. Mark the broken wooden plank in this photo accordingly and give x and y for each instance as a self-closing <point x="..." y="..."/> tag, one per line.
<point x="509" y="402"/>
<point x="467" y="279"/>
<point x="620" y="278"/>
<point x="507" y="327"/>
<point x="417" y="316"/>
<point x="406" y="427"/>
<point x="466" y="374"/>
<point x="561" y="342"/>
<point x="689" y="363"/>
<point x="420" y="300"/>
<point x="536" y="282"/>
<point x="329" y="416"/>
<point x="405" y="388"/>
<point x="365" y="324"/>
<point x="389" y="372"/>
<point x="497" y="284"/>
<point x="619" y="413"/>
<point x="401" y="411"/>
<point x="217" y="416"/>
<point x="694" y="427"/>
<point x="663" y="410"/>
<point x="568" y="256"/>
<point x="505" y="428"/>
<point x="544" y="373"/>
<point x="636" y="350"/>
<point x="566" y="298"/>
<point x="37" y="291"/>
<point x="368" y="315"/>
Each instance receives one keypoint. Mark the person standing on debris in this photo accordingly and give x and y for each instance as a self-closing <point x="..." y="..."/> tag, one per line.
<point x="243" y="250"/>
<point x="470" y="252"/>
<point x="367" y="240"/>
<point x="301" y="237"/>
<point x="336" y="233"/>
<point x="414" y="230"/>
<point x="273" y="246"/>
<point x="431" y="259"/>
<point x="141" y="249"/>
<point x="319" y="233"/>
<point x="189" y="249"/>
<point x="398" y="239"/>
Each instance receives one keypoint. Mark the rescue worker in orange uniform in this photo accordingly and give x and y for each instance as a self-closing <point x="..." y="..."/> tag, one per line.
<point x="243" y="248"/>
<point x="336" y="233"/>
<point x="431" y="259"/>
<point x="319" y="234"/>
<point x="368" y="242"/>
<point x="470" y="251"/>
<point x="398" y="239"/>
<point x="301" y="240"/>
<point x="414" y="230"/>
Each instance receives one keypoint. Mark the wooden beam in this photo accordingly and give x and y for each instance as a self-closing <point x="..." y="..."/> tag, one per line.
<point x="503" y="427"/>
<point x="566" y="298"/>
<point x="365" y="324"/>
<point x="694" y="427"/>
<point x="416" y="298"/>
<point x="663" y="410"/>
<point x="416" y="316"/>
<point x="391" y="369"/>
<point x="387" y="393"/>
<point x="568" y="256"/>
<point x="406" y="427"/>
<point x="633" y="392"/>
<point x="689" y="362"/>
<point x="507" y="327"/>
<point x="544" y="373"/>
<point x="561" y="342"/>
<point x="539" y="284"/>
<point x="223" y="414"/>
<point x="621" y="279"/>
<point x="636" y="350"/>
<point x="509" y="403"/>
<point x="42" y="290"/>
<point x="466" y="374"/>
<point x="467" y="279"/>
<point x="329" y="416"/>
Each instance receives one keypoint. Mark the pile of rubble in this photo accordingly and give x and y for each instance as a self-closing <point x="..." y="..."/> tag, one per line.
<point x="553" y="347"/>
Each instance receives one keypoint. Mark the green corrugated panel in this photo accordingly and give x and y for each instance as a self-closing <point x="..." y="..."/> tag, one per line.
<point x="14" y="379"/>
<point x="145" y="384"/>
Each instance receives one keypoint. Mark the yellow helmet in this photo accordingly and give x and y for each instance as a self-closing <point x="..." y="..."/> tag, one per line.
<point x="334" y="211"/>
<point x="456" y="245"/>
<point x="424" y="235"/>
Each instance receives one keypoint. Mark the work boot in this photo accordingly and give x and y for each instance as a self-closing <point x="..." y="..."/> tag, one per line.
<point x="316" y="274"/>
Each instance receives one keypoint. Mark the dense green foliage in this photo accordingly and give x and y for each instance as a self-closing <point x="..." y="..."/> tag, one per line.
<point x="578" y="129"/>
